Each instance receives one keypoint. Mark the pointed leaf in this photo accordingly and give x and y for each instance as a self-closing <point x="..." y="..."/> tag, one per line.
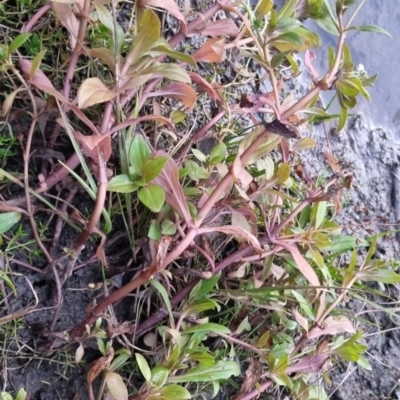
<point x="152" y="167"/>
<point x="209" y="327"/>
<point x="143" y="366"/>
<point x="18" y="42"/>
<point x="212" y="51"/>
<point x="67" y="19"/>
<point x="333" y="325"/>
<point x="170" y="71"/>
<point x="202" y="373"/>
<point x="149" y="29"/>
<point x="107" y="20"/>
<point x="234" y="230"/>
<point x="103" y="54"/>
<point x="8" y="220"/>
<point x="168" y="179"/>
<point x="304" y="267"/>
<point x="372" y="28"/>
<point x="220" y="27"/>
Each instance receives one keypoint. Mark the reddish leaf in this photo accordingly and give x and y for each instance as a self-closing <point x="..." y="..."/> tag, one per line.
<point x="234" y="230"/>
<point x="168" y="5"/>
<point x="308" y="59"/>
<point x="96" y="368"/>
<point x="40" y="80"/>
<point x="67" y="18"/>
<point x="204" y="85"/>
<point x="304" y="267"/>
<point x="332" y="326"/>
<point x="178" y="91"/>
<point x="221" y="27"/>
<point x="309" y="364"/>
<point x="211" y="51"/>
<point x="92" y="142"/>
<point x="174" y="196"/>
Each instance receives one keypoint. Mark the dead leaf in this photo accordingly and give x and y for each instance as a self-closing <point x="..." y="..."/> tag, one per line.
<point x="116" y="386"/>
<point x="221" y="27"/>
<point x="93" y="91"/>
<point x="234" y="230"/>
<point x="91" y="144"/>
<point x="168" y="179"/>
<point x="332" y="326"/>
<point x="67" y="19"/>
<point x="304" y="143"/>
<point x="332" y="161"/>
<point x="302" y="321"/>
<point x="96" y="368"/>
<point x="302" y="264"/>
<point x="212" y="51"/>
<point x="177" y="91"/>
<point x="80" y="351"/>
<point x="253" y="375"/>
<point x="238" y="219"/>
<point x="40" y="80"/>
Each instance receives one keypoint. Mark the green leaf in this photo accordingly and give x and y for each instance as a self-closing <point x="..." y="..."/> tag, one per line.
<point x="107" y="20"/>
<point x="8" y="220"/>
<point x="209" y="327"/>
<point x="198" y="306"/>
<point x="202" y="373"/>
<point x="152" y="167"/>
<point x="277" y="59"/>
<point x="143" y="366"/>
<point x="218" y="153"/>
<point x="283" y="173"/>
<point x="5" y="396"/>
<point x="380" y="275"/>
<point x="199" y="155"/>
<point x="204" y="287"/>
<point x="18" y="42"/>
<point x="152" y="196"/>
<point x="347" y="60"/>
<point x="364" y="363"/>
<point x="264" y="7"/>
<point x="121" y="184"/>
<point x="288" y="9"/>
<point x="3" y="51"/>
<point x="21" y="394"/>
<point x="163" y="293"/>
<point x="341" y="244"/>
<point x="282" y="380"/>
<point x="154" y="231"/>
<point x="149" y="29"/>
<point x="346" y="87"/>
<point x="203" y="358"/>
<point x="372" y="28"/>
<point x="168" y="227"/>
<point x="36" y="62"/>
<point x="290" y="37"/>
<point x="139" y="152"/>
<point x="159" y="376"/>
<point x="195" y="171"/>
<point x="175" y="392"/>
<point x="369" y="81"/>
<point x="342" y="118"/>
<point x="318" y="213"/>
<point x="162" y="47"/>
